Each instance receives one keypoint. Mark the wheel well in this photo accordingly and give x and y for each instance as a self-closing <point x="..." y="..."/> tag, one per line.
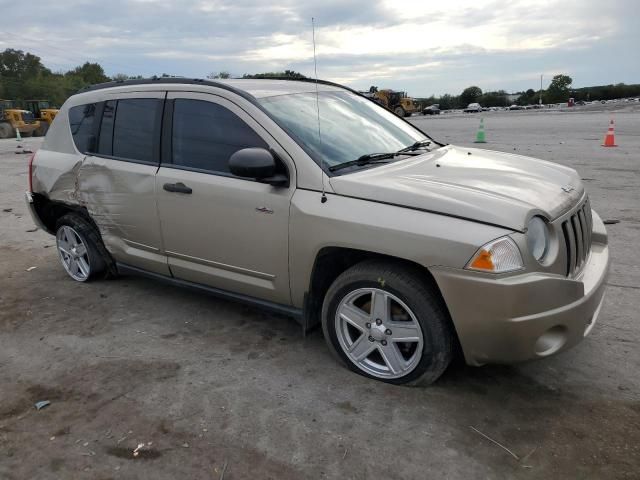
<point x="50" y="211"/>
<point x="332" y="261"/>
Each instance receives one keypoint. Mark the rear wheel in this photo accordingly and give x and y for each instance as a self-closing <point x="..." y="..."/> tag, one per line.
<point x="6" y="130"/>
<point x="384" y="321"/>
<point x="79" y="248"/>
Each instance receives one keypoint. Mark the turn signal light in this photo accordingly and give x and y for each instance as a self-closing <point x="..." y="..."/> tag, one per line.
<point x="498" y="256"/>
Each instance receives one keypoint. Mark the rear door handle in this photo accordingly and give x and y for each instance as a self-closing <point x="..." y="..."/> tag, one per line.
<point x="177" y="187"/>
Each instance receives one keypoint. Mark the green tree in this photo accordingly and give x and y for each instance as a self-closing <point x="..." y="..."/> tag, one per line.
<point x="90" y="73"/>
<point x="558" y="90"/>
<point x="17" y="68"/>
<point x="470" y="95"/>
<point x="285" y="74"/>
<point x="493" y="99"/>
<point x="222" y="75"/>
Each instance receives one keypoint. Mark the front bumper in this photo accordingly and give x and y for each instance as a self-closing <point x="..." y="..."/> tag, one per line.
<point x="522" y="317"/>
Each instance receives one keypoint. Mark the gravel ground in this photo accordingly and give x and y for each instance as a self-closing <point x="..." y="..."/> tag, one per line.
<point x="215" y="389"/>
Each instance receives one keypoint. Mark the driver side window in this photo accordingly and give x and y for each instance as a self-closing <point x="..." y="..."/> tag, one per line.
<point x="205" y="135"/>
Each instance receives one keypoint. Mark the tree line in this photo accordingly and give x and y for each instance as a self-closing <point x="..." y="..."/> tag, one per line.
<point x="24" y="77"/>
<point x="559" y="91"/>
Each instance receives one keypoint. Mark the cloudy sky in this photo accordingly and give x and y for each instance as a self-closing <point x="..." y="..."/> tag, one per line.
<point x="423" y="47"/>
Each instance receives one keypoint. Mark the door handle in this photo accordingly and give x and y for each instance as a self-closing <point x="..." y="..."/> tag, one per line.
<point x="177" y="187"/>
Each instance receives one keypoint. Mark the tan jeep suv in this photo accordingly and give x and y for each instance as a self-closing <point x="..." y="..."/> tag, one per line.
<point x="309" y="199"/>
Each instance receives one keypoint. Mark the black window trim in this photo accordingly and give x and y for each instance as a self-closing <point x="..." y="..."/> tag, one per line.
<point x="167" y="143"/>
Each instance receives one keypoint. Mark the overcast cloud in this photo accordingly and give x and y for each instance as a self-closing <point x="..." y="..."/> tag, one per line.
<point x="422" y="47"/>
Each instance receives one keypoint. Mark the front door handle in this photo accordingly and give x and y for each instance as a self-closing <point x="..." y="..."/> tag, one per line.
<point x="177" y="187"/>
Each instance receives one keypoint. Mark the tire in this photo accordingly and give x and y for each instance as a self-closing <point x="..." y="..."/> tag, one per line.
<point x="42" y="130"/>
<point x="78" y="242"/>
<point x="6" y="130"/>
<point x="421" y="317"/>
<point x="399" y="111"/>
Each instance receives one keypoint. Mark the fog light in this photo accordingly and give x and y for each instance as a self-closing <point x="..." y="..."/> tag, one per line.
<point x="551" y="341"/>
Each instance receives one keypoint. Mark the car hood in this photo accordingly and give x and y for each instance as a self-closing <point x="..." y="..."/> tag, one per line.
<point x="481" y="185"/>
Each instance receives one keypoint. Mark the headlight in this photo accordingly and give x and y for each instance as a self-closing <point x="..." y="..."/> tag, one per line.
<point x="538" y="238"/>
<point x="499" y="256"/>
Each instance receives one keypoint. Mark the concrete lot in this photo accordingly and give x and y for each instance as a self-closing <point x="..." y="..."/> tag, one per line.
<point x="206" y="383"/>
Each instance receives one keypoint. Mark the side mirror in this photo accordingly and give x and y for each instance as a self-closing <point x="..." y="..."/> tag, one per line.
<point x="257" y="163"/>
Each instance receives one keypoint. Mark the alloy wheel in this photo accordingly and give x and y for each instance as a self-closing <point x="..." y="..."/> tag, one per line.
<point x="73" y="253"/>
<point x="379" y="333"/>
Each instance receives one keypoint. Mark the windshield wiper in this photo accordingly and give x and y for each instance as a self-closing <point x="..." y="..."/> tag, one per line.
<point x="370" y="158"/>
<point x="367" y="159"/>
<point x="417" y="145"/>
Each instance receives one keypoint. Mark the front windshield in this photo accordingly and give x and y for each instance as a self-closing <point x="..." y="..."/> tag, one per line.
<point x="350" y="126"/>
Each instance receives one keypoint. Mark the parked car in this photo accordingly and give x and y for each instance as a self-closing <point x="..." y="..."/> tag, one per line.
<point x="403" y="249"/>
<point x="431" y="110"/>
<point x="473" y="108"/>
<point x="516" y="107"/>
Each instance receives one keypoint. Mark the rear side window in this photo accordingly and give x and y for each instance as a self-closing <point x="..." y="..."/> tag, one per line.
<point x="105" y="140"/>
<point x="206" y="134"/>
<point x="81" y="120"/>
<point x="134" y="128"/>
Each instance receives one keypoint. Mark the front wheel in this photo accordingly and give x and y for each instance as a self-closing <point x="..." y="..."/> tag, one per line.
<point x="399" y="111"/>
<point x="384" y="321"/>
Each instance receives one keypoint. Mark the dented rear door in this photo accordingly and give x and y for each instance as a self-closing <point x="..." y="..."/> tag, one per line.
<point x="117" y="182"/>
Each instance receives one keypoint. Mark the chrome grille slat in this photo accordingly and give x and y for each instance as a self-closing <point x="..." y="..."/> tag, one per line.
<point x="571" y="246"/>
<point x="583" y="228"/>
<point x="577" y="230"/>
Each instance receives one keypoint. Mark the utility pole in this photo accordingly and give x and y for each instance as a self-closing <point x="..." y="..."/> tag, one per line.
<point x="540" y="97"/>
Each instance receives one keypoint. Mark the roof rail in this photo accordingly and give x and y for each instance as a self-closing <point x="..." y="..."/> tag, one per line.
<point x="200" y="81"/>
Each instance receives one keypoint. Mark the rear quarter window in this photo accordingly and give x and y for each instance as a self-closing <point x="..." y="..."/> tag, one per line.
<point x="81" y="120"/>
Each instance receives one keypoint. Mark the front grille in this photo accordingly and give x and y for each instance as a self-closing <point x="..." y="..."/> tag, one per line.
<point x="577" y="230"/>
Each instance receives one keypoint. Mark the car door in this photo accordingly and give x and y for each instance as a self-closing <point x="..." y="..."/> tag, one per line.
<point x="117" y="178"/>
<point x="221" y="230"/>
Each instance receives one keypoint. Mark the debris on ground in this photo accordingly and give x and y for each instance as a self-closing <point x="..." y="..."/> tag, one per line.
<point x="31" y="268"/>
<point x="224" y="469"/>
<point x="496" y="443"/>
<point x="8" y="210"/>
<point x="141" y="447"/>
<point x="41" y="404"/>
<point x="611" y="221"/>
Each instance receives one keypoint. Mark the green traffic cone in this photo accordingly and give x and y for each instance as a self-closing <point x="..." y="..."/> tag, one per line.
<point x="480" y="135"/>
<point x="18" y="137"/>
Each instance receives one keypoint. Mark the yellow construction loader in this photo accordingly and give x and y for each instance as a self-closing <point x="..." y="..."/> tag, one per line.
<point x="398" y="102"/>
<point x="43" y="112"/>
<point x="14" y="119"/>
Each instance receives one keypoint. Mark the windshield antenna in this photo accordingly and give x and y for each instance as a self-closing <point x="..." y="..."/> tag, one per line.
<point x="323" y="199"/>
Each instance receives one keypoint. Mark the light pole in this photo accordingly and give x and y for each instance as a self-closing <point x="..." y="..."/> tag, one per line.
<point x="540" y="97"/>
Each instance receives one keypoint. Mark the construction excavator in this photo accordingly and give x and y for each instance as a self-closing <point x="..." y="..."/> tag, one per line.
<point x="398" y="102"/>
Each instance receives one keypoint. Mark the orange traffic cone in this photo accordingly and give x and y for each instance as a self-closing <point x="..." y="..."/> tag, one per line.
<point x="609" y="139"/>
